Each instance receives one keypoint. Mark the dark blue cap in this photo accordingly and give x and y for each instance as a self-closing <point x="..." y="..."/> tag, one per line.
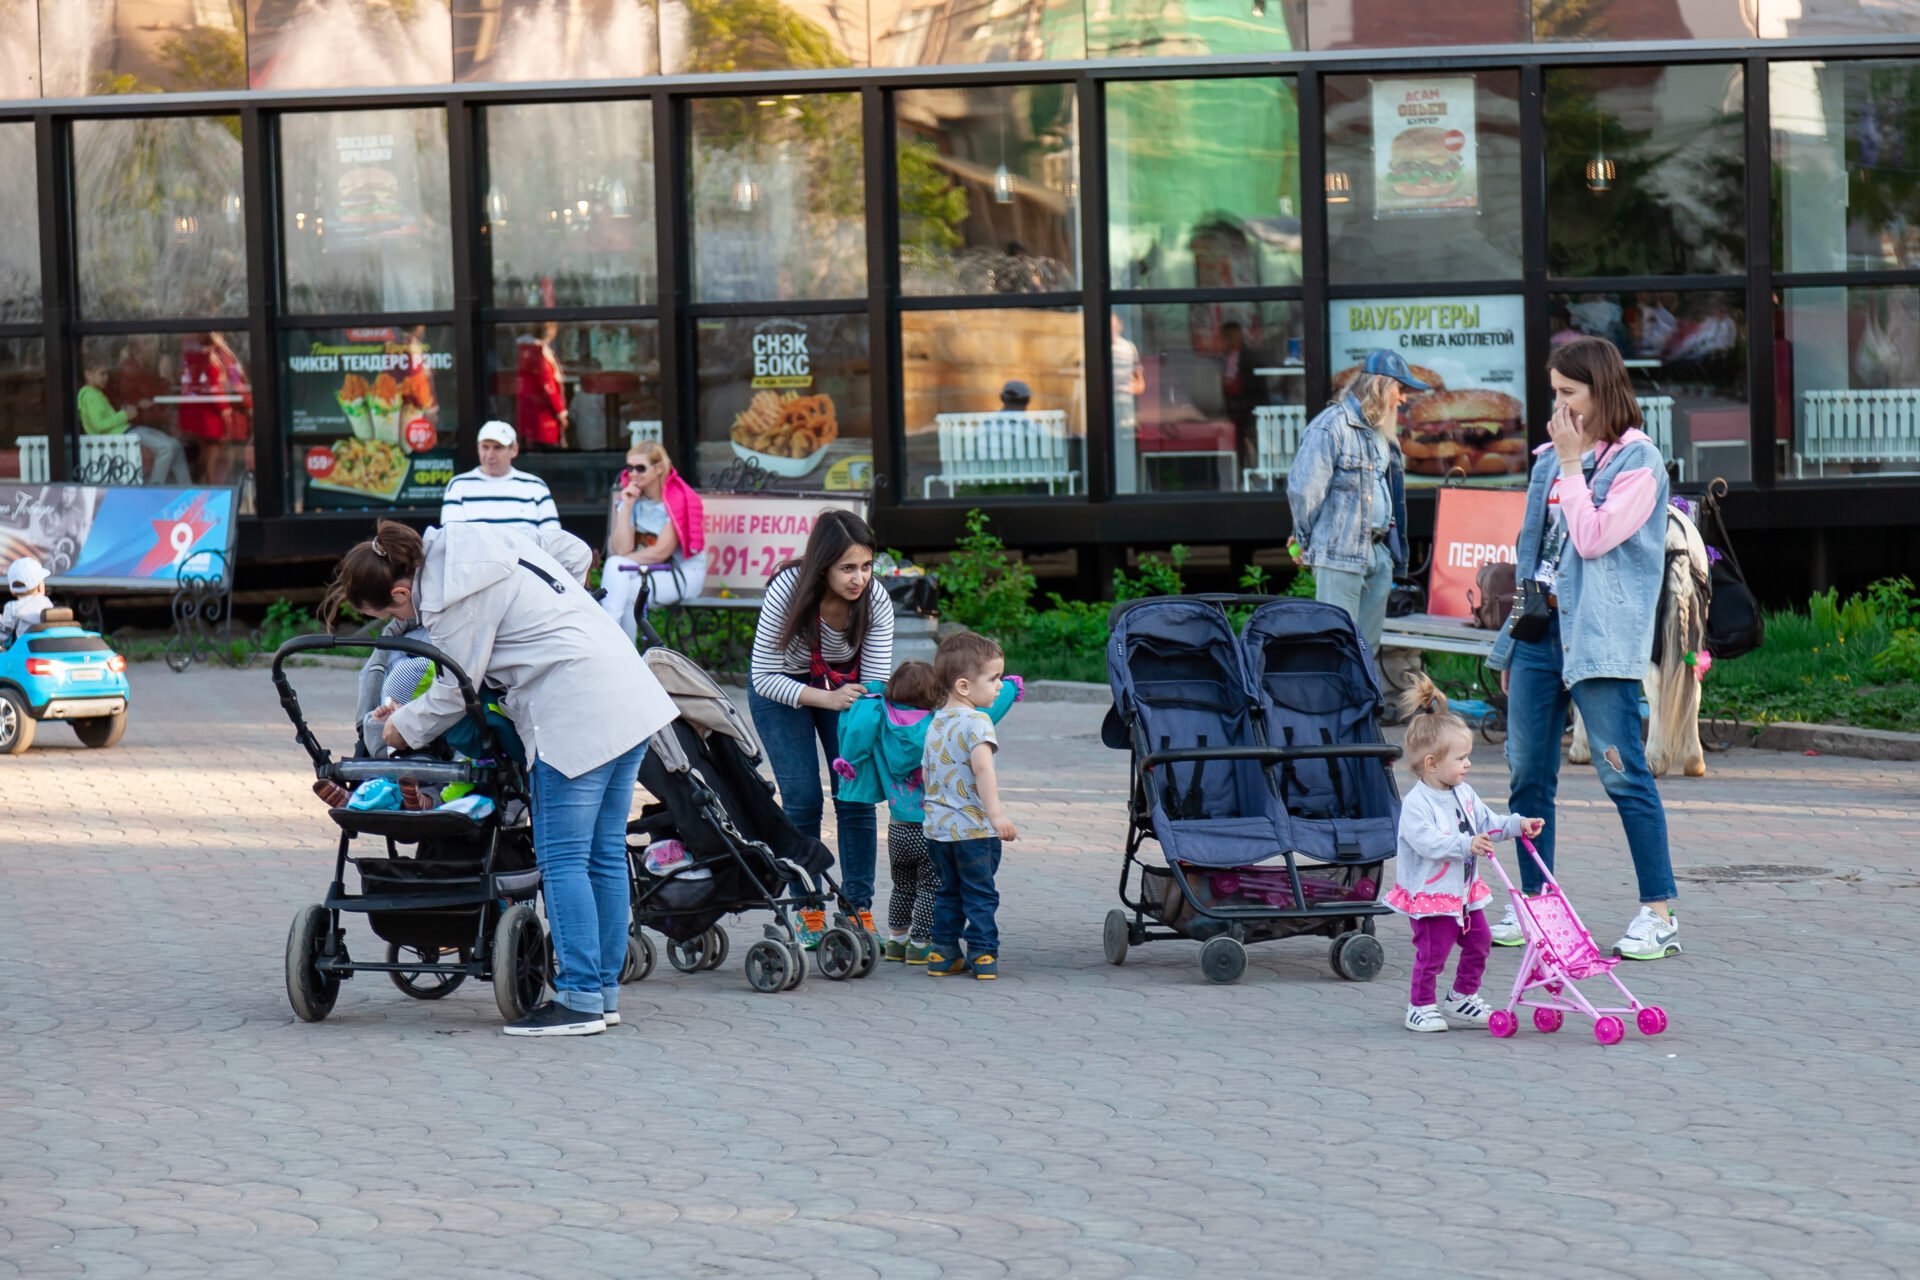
<point x="1394" y="365"/>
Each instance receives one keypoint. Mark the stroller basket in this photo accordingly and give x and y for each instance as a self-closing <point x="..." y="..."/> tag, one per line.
<point x="406" y="826"/>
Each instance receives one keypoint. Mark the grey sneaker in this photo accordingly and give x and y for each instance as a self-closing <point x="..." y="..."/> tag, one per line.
<point x="1649" y="937"/>
<point x="555" y="1019"/>
<point x="1468" y="1008"/>
<point x="1507" y="932"/>
<point x="1425" y="1017"/>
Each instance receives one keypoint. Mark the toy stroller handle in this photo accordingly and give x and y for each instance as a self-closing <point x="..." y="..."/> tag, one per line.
<point x="1538" y="860"/>
<point x="476" y="709"/>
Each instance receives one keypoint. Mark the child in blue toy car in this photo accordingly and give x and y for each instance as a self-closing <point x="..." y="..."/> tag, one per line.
<point x="27" y="579"/>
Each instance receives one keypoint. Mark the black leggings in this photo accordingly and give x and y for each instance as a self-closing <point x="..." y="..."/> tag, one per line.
<point x="911" y="902"/>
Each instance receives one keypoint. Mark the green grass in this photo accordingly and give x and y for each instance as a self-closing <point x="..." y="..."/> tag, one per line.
<point x="1813" y="670"/>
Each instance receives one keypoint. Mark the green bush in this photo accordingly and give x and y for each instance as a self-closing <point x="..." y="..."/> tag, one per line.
<point x="984" y="588"/>
<point x="284" y="621"/>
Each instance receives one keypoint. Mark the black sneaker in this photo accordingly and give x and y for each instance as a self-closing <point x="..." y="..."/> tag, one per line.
<point x="555" y="1019"/>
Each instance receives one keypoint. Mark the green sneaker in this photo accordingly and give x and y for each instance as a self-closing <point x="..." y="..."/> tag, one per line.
<point x="893" y="949"/>
<point x="940" y="966"/>
<point x="1650" y="937"/>
<point x="919" y="952"/>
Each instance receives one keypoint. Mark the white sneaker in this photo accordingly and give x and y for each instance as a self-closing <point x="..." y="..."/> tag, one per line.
<point x="1468" y="1008"/>
<point x="1649" y="937"/>
<point x="1425" y="1017"/>
<point x="611" y="1019"/>
<point x="1507" y="932"/>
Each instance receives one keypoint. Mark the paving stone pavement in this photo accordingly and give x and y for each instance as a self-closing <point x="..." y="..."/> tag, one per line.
<point x="162" y="1113"/>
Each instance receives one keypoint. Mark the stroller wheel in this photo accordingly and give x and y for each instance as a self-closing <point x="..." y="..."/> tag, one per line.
<point x="1652" y="1020"/>
<point x="869" y="953"/>
<point x="309" y="991"/>
<point x="717" y="945"/>
<point x="1357" y="957"/>
<point x="425" y="986"/>
<point x="838" y="954"/>
<point x="1502" y="1024"/>
<point x="1223" y="959"/>
<point x="641" y="957"/>
<point x="1113" y="936"/>
<point x="1609" y="1030"/>
<point x="520" y="962"/>
<point x="768" y="966"/>
<point x="1548" y="1020"/>
<point x="797" y="968"/>
<point x="689" y="956"/>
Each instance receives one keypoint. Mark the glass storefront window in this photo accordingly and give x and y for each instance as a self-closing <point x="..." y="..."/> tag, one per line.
<point x="1852" y="358"/>
<point x="1148" y="29"/>
<point x="568" y="211"/>
<point x="1207" y="396"/>
<point x="1472" y="352"/>
<point x="1846" y="165"/>
<point x="186" y="397"/>
<point x="342" y="44"/>
<point x="995" y="402"/>
<point x="499" y="40"/>
<point x="368" y="423"/>
<point x="1646" y="171"/>
<point x="911" y="33"/>
<point x="1800" y="19"/>
<point x="1687" y="355"/>
<point x="19" y="48"/>
<point x="23" y="411"/>
<point x="364" y="211"/>
<point x="785" y="395"/>
<point x="1371" y="24"/>
<point x="1423" y="177"/>
<point x="163" y="46"/>
<point x="779" y="198"/>
<point x="792" y="35"/>
<point x="159" y="225"/>
<point x="577" y="396"/>
<point x="1203" y="183"/>
<point x="20" y="215"/>
<point x="1577" y="20"/>
<point x="989" y="189"/>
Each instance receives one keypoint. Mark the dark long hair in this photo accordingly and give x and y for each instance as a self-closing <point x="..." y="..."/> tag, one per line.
<point x="1596" y="364"/>
<point x="834" y="532"/>
<point x="367" y="573"/>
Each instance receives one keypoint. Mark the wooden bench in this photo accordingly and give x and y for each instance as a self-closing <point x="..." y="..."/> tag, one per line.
<point x="1431" y="633"/>
<point x="1857" y="426"/>
<point x="1276" y="439"/>
<point x="1009" y="447"/>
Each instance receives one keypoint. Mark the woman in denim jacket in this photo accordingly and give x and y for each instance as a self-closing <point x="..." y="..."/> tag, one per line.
<point x="1347" y="489"/>
<point x="1595" y="536"/>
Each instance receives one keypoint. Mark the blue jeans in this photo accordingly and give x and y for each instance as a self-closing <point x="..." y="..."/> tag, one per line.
<point x="965" y="900"/>
<point x="1536" y="716"/>
<point x="1362" y="595"/>
<point x="789" y="733"/>
<point x="580" y="842"/>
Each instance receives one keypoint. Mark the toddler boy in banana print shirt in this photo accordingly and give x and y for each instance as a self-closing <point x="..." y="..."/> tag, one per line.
<point x="965" y="823"/>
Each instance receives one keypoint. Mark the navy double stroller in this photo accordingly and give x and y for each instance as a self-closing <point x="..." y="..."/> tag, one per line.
<point x="1250" y="748"/>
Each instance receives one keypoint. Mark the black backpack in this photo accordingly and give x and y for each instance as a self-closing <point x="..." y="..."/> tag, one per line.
<point x="1734" y="624"/>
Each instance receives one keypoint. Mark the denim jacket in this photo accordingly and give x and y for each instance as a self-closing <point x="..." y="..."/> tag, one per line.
<point x="1332" y="487"/>
<point x="1607" y="604"/>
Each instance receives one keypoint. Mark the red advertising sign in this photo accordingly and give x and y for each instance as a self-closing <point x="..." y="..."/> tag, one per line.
<point x="1472" y="527"/>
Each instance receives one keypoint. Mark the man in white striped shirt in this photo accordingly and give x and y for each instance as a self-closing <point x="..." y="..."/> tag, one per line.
<point x="496" y="492"/>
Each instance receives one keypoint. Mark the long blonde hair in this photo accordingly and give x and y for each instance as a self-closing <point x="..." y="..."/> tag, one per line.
<point x="1432" y="722"/>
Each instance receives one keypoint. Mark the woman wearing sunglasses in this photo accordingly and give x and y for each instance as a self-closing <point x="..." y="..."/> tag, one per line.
<point x="656" y="545"/>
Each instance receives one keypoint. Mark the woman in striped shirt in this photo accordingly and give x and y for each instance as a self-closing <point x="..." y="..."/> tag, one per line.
<point x="825" y="636"/>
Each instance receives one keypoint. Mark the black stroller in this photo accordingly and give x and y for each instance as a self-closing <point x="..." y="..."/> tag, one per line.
<point x="743" y="853"/>
<point x="459" y="905"/>
<point x="1246" y="748"/>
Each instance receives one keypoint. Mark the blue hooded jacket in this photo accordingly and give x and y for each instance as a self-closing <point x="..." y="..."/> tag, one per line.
<point x="885" y="754"/>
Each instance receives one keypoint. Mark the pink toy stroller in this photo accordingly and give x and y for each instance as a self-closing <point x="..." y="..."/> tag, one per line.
<point x="1560" y="953"/>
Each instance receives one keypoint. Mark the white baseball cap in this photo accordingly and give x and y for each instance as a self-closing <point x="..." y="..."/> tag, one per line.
<point x="498" y="432"/>
<point x="25" y="574"/>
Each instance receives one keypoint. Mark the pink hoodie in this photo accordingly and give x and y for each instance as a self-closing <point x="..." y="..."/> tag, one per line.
<point x="1594" y="531"/>
<point x="688" y="514"/>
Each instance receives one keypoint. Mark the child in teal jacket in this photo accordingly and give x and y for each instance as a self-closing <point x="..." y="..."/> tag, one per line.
<point x="881" y="742"/>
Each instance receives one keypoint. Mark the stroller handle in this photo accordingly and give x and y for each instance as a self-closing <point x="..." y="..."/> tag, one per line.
<point x="1221" y="600"/>
<point x="290" y="702"/>
<point x="1273" y="755"/>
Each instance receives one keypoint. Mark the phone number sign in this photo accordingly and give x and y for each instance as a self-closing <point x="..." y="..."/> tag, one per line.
<point x="749" y="536"/>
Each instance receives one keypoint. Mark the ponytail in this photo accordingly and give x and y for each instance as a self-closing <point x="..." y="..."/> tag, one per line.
<point x="1432" y="721"/>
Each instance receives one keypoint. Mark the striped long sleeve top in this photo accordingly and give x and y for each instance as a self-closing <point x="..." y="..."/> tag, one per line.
<point x="780" y="675"/>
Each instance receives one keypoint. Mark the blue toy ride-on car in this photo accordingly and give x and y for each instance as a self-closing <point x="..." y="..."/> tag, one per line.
<point x="58" y="671"/>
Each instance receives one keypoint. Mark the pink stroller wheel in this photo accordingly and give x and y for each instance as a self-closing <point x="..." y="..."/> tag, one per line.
<point x="1609" y="1030"/>
<point x="1548" y="1020"/>
<point x="1502" y="1024"/>
<point x="1652" y="1020"/>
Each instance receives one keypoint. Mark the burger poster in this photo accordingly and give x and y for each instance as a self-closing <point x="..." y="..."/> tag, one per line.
<point x="366" y="418"/>
<point x="1468" y="350"/>
<point x="1423" y="146"/>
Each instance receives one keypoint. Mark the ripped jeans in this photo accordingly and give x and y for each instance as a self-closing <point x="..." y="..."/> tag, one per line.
<point x="1536" y="717"/>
